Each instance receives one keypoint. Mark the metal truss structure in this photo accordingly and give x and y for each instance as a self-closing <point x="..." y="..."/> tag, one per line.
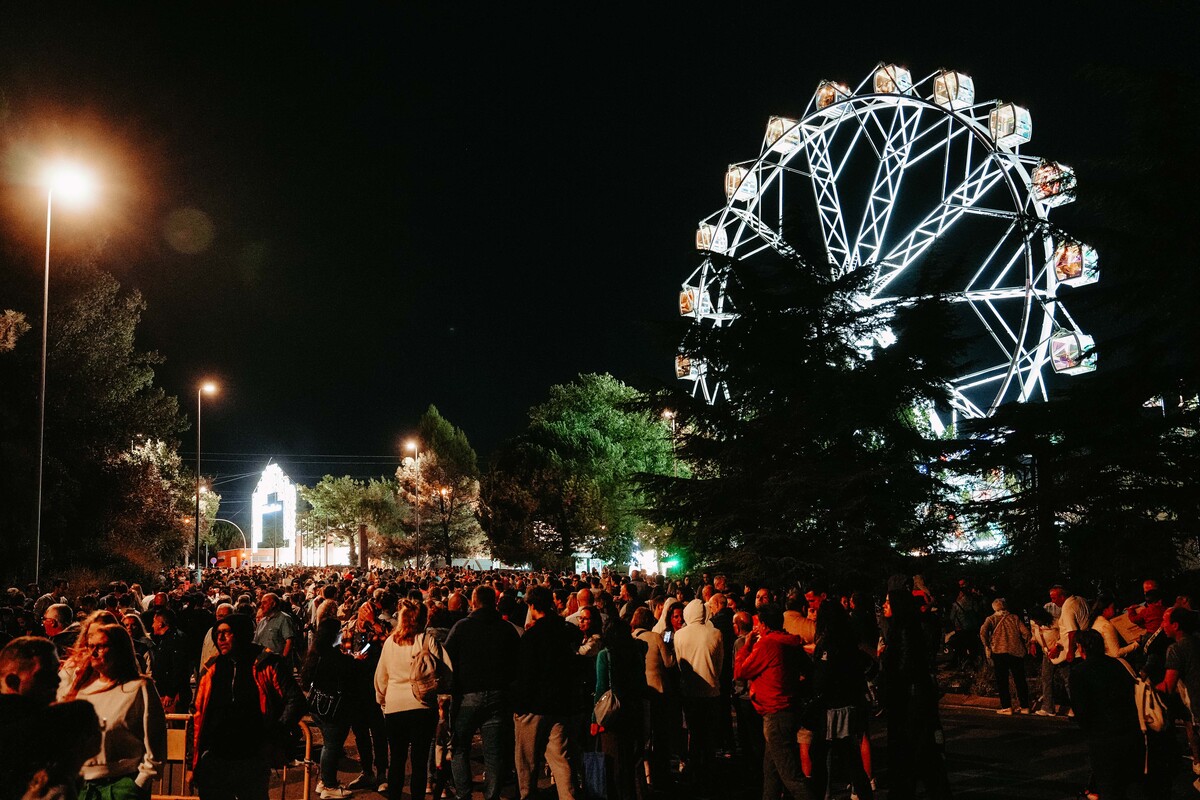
<point x="889" y="170"/>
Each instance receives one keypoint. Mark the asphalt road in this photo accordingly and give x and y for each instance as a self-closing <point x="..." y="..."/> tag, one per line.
<point x="989" y="757"/>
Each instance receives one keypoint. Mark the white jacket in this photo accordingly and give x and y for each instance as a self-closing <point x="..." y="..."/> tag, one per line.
<point x="393" y="689"/>
<point x="699" y="652"/>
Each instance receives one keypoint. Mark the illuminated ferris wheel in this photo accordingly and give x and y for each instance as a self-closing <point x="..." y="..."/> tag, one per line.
<point x="890" y="169"/>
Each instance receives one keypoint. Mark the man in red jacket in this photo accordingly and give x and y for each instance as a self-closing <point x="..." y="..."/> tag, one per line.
<point x="775" y="663"/>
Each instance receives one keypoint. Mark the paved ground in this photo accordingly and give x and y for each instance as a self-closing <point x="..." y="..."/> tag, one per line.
<point x="990" y="757"/>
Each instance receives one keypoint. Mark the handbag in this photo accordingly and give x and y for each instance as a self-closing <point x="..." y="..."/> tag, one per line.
<point x="595" y="775"/>
<point x="607" y="705"/>
<point x="324" y="704"/>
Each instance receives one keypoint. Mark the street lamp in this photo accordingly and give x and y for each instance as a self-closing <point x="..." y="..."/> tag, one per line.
<point x="208" y="387"/>
<point x="669" y="415"/>
<point x="75" y="184"/>
<point x="413" y="445"/>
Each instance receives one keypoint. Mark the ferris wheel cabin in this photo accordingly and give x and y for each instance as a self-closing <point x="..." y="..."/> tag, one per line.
<point x="1072" y="353"/>
<point x="740" y="184"/>
<point x="953" y="90"/>
<point x="1010" y="125"/>
<point x="711" y="238"/>
<point x="891" y="79"/>
<point x="1076" y="264"/>
<point x="1052" y="183"/>
<point x="829" y="93"/>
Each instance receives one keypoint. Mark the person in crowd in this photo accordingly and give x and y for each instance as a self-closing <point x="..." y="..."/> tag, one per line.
<point x="773" y="663"/>
<point x="133" y="736"/>
<point x="483" y="649"/>
<point x="142" y="643"/>
<point x="720" y="616"/>
<point x="275" y="630"/>
<point x="60" y="627"/>
<point x="749" y="723"/>
<point x="80" y="655"/>
<point x="1149" y="614"/>
<point x="914" y="732"/>
<point x="621" y="669"/>
<point x="1072" y="619"/>
<point x="208" y="650"/>
<point x="966" y="617"/>
<point x="584" y="599"/>
<point x="329" y="675"/>
<point x="169" y="663"/>
<point x="42" y="746"/>
<point x="370" y="732"/>
<point x="700" y="653"/>
<point x="1005" y="640"/>
<point x="840" y="687"/>
<point x="1102" y="696"/>
<point x="245" y="707"/>
<point x="588" y="621"/>
<point x="1182" y="673"/>
<point x="662" y="695"/>
<point x="410" y="719"/>
<point x="1103" y="609"/>
<point x="543" y="697"/>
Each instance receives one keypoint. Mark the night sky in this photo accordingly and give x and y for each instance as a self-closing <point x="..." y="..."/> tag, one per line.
<point x="343" y="215"/>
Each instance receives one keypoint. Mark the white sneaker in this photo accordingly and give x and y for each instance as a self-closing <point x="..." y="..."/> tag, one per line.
<point x="334" y="793"/>
<point x="382" y="787"/>
<point x="1005" y="711"/>
<point x="1070" y="712"/>
<point x="1041" y="712"/>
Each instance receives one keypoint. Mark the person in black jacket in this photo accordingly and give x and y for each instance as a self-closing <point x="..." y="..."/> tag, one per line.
<point x="543" y="694"/>
<point x="1102" y="696"/>
<point x="169" y="663"/>
<point x="483" y="649"/>
<point x="621" y="668"/>
<point x="328" y="675"/>
<point x="914" y="730"/>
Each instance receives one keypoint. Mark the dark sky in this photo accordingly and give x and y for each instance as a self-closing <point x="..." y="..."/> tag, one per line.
<point x="459" y="204"/>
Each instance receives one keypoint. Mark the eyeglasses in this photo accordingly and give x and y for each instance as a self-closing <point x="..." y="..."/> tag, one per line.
<point x="95" y="648"/>
<point x="225" y="634"/>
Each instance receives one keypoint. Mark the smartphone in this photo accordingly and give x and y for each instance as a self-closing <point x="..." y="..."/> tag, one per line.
<point x="366" y="647"/>
<point x="667" y="636"/>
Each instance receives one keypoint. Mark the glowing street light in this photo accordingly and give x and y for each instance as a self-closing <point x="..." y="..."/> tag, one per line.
<point x="74" y="184"/>
<point x="208" y="387"/>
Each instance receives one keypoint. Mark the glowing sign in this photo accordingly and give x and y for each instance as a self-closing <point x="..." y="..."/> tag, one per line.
<point x="273" y="516"/>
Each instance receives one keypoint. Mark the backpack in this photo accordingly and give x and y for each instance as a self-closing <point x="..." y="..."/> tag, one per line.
<point x="427" y="675"/>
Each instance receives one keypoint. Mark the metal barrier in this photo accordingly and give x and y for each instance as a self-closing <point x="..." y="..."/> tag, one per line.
<point x="173" y="783"/>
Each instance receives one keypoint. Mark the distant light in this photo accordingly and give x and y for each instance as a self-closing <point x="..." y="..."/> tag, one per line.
<point x="71" y="182"/>
<point x="668" y="414"/>
<point x="209" y="387"/>
<point x="411" y="444"/>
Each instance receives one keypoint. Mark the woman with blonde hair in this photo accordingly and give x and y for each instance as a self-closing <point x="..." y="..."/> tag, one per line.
<point x="80" y="655"/>
<point x="133" y="729"/>
<point x="410" y="719"/>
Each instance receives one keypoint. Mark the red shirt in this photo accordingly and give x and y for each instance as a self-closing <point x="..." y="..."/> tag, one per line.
<point x="773" y="667"/>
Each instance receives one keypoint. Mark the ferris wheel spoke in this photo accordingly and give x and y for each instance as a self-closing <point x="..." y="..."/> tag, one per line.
<point x="889" y="173"/>
<point x="773" y="239"/>
<point x="977" y="184"/>
<point x="828" y="203"/>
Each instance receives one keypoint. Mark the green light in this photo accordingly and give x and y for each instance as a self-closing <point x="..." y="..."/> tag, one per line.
<point x="674" y="562"/>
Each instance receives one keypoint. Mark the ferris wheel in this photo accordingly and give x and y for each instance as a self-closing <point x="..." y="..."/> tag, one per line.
<point x="890" y="169"/>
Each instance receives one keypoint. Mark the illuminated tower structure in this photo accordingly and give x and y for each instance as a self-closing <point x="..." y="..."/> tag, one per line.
<point x="273" y="520"/>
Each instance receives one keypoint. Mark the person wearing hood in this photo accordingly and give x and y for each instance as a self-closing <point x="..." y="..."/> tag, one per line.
<point x="245" y="705"/>
<point x="701" y="656"/>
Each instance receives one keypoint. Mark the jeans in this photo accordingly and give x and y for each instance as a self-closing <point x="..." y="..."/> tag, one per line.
<point x="333" y="737"/>
<point x="537" y="733"/>
<point x="370" y="734"/>
<point x="407" y="729"/>
<point x="781" y="756"/>
<point x="487" y="712"/>
<point x="1049" y="671"/>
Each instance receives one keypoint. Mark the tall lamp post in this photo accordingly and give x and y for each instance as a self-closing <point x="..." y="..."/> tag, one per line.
<point x="71" y="182"/>
<point x="208" y="387"/>
<point x="669" y="415"/>
<point x="413" y="445"/>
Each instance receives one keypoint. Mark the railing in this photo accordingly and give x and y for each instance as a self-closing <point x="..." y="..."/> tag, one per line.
<point x="173" y="784"/>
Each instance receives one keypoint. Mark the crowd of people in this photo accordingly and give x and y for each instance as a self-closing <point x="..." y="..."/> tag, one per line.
<point x="622" y="686"/>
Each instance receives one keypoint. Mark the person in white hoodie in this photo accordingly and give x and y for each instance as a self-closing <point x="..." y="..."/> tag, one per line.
<point x="700" y="653"/>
